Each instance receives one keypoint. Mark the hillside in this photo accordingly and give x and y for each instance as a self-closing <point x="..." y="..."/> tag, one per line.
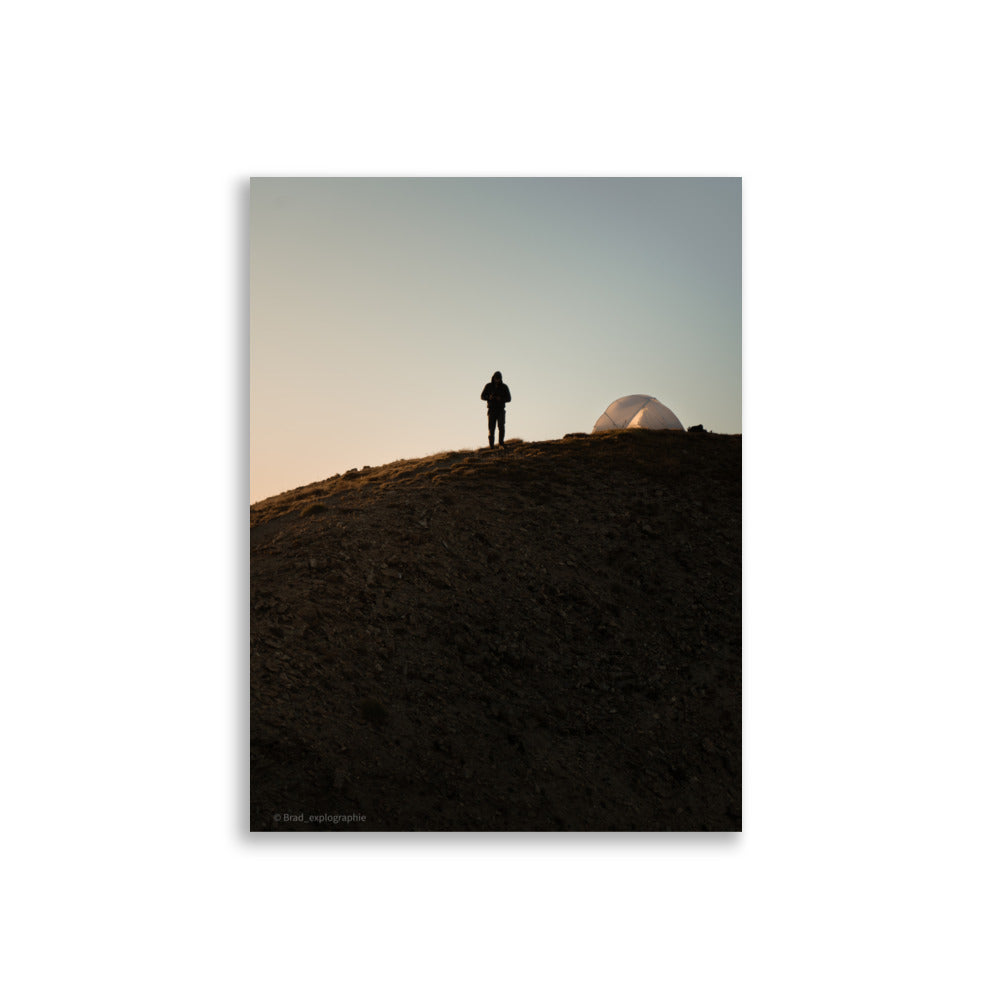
<point x="546" y="638"/>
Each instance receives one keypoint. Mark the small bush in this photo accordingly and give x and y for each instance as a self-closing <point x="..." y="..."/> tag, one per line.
<point x="314" y="508"/>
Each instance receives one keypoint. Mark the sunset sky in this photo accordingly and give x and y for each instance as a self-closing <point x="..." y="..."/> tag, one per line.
<point x="380" y="307"/>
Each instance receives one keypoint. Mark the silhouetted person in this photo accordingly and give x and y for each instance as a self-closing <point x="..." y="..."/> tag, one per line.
<point x="497" y="395"/>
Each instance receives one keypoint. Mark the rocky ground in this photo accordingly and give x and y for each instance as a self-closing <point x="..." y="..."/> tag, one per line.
<point x="545" y="638"/>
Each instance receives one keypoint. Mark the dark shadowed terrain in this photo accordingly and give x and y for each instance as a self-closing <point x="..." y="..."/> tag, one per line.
<point x="546" y="638"/>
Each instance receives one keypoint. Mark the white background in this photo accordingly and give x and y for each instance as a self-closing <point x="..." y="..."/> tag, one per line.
<point x="863" y="133"/>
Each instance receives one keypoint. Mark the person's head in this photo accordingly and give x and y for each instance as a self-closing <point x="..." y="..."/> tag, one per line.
<point x="497" y="377"/>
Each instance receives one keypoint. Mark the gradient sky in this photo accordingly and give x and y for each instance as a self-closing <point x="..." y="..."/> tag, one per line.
<point x="379" y="307"/>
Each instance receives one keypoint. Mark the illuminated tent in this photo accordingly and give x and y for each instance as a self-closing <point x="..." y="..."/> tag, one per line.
<point x="637" y="411"/>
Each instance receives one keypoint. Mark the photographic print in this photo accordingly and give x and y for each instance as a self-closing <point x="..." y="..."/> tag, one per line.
<point x="495" y="504"/>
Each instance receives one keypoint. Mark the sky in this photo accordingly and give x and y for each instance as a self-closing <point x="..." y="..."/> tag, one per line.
<point x="380" y="307"/>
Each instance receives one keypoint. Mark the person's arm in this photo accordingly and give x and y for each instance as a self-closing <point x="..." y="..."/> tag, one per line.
<point x="485" y="392"/>
<point x="506" y="393"/>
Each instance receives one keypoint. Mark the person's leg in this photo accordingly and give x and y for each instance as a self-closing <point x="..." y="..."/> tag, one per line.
<point x="493" y="423"/>
<point x="501" y="424"/>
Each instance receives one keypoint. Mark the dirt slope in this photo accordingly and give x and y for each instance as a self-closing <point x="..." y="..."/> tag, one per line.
<point x="546" y="638"/>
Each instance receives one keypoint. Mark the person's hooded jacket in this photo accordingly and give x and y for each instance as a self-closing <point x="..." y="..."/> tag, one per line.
<point x="496" y="394"/>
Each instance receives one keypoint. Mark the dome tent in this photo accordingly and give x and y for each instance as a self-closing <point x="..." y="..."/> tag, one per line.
<point x="637" y="411"/>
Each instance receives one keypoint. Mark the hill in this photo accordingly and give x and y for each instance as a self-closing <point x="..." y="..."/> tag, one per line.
<point x="544" y="638"/>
